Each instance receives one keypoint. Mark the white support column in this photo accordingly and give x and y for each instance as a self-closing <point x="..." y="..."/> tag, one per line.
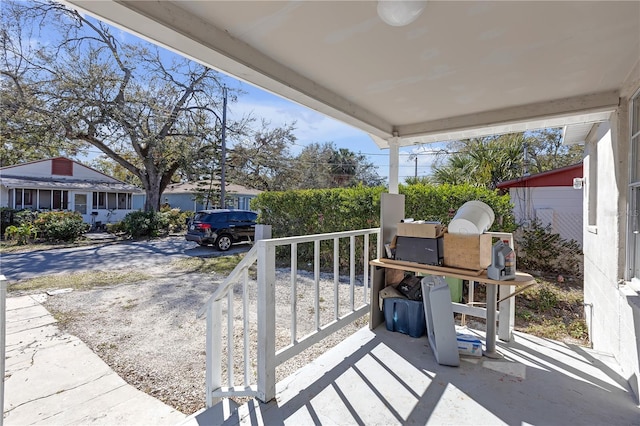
<point x="266" y="321"/>
<point x="3" y="331"/>
<point x="394" y="165"/>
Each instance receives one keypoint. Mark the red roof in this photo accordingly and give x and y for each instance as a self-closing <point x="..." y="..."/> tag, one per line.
<point x="558" y="177"/>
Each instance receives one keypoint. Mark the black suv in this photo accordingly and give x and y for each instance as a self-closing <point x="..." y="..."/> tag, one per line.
<point x="222" y="227"/>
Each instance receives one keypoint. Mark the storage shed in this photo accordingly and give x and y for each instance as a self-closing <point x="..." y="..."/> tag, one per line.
<point x="551" y="198"/>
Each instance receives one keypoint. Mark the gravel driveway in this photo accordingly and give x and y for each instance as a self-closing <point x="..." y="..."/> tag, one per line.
<point x="149" y="334"/>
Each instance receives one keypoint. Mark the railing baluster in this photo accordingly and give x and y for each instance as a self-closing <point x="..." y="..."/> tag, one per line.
<point x="213" y="351"/>
<point x="316" y="278"/>
<point x="365" y="272"/>
<point x="294" y="292"/>
<point x="352" y="270"/>
<point x="230" y="345"/>
<point x="245" y="324"/>
<point x="336" y="278"/>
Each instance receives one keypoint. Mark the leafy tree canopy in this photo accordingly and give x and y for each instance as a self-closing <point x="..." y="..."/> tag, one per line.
<point x="71" y="82"/>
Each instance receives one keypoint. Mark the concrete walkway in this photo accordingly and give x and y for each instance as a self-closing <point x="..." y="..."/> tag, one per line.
<point x="54" y="378"/>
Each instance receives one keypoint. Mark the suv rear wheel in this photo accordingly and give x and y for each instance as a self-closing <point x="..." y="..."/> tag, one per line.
<point x="224" y="242"/>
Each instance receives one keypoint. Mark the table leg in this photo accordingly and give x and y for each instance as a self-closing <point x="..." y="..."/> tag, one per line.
<point x="492" y="307"/>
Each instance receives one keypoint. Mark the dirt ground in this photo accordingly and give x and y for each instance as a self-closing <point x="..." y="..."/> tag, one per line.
<point x="148" y="332"/>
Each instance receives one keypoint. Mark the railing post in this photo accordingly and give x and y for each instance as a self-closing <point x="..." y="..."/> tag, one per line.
<point x="266" y="321"/>
<point x="214" y="351"/>
<point x="3" y="331"/>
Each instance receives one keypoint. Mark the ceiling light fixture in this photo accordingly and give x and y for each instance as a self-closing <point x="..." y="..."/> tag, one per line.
<point x="398" y="13"/>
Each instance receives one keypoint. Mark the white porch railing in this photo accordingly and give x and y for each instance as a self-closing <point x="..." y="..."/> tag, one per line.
<point x="268" y="356"/>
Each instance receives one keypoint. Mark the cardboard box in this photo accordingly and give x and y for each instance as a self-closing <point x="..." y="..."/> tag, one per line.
<point x="420" y="230"/>
<point x="467" y="251"/>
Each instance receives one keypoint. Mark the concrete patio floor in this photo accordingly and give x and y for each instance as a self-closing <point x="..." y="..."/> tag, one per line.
<point x="384" y="378"/>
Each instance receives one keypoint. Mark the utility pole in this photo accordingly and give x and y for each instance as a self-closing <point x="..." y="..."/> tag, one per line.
<point x="223" y="154"/>
<point x="415" y="173"/>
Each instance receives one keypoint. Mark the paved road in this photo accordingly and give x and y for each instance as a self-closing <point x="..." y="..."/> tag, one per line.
<point x="109" y="256"/>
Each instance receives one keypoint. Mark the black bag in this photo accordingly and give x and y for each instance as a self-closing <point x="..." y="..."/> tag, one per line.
<point x="410" y="287"/>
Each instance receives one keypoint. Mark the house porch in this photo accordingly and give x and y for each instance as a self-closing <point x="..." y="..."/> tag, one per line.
<point x="381" y="377"/>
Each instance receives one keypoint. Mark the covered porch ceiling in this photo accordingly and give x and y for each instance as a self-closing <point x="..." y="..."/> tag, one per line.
<point x="462" y="69"/>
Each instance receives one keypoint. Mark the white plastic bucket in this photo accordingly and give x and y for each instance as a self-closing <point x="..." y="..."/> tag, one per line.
<point x="473" y="218"/>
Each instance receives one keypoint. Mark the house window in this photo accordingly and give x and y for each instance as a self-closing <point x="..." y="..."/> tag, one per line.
<point x="60" y="200"/>
<point x="124" y="201"/>
<point x="99" y="200"/>
<point x="45" y="200"/>
<point x="634" y="193"/>
<point x="61" y="167"/>
<point x="24" y="198"/>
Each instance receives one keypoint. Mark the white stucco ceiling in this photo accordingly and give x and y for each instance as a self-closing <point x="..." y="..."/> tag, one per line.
<point x="463" y="68"/>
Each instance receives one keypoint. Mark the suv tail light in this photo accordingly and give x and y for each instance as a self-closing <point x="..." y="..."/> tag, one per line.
<point x="203" y="226"/>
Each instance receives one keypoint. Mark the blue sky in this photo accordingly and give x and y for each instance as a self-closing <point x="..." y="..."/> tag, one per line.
<point x="312" y="126"/>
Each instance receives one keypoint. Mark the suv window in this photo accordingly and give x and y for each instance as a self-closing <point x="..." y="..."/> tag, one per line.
<point x="242" y="217"/>
<point x="218" y="217"/>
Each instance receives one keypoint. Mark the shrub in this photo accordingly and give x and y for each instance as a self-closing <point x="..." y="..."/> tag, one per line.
<point x="61" y="226"/>
<point x="176" y="218"/>
<point x="145" y="224"/>
<point x="21" y="233"/>
<point x="6" y="218"/>
<point x="539" y="249"/>
<point x="115" y="228"/>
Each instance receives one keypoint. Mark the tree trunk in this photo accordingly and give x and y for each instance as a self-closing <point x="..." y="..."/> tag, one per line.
<point x="153" y="187"/>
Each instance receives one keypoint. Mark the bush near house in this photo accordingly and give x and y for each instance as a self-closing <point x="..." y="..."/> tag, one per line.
<point x="144" y="224"/>
<point x="22" y="233"/>
<point x="141" y="224"/>
<point x="542" y="252"/>
<point x="60" y="226"/>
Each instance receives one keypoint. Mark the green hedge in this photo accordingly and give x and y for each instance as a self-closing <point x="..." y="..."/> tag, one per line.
<point x="319" y="211"/>
<point x="428" y="202"/>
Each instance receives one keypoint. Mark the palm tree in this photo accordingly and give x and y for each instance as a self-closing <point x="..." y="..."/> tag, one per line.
<point x="484" y="161"/>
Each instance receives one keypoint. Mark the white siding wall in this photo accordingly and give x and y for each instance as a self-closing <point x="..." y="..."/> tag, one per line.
<point x="43" y="169"/>
<point x="612" y="311"/>
<point x="558" y="206"/>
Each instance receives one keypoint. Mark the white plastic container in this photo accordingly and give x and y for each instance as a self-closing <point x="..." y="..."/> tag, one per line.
<point x="472" y="218"/>
<point x="438" y="312"/>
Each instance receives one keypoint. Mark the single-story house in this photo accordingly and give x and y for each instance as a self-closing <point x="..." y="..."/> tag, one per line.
<point x="550" y="198"/>
<point x="183" y="196"/>
<point x="64" y="184"/>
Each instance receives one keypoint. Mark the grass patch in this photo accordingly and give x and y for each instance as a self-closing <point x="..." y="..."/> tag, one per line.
<point x="66" y="318"/>
<point x="79" y="281"/>
<point x="14" y="247"/>
<point x="221" y="265"/>
<point x="553" y="311"/>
